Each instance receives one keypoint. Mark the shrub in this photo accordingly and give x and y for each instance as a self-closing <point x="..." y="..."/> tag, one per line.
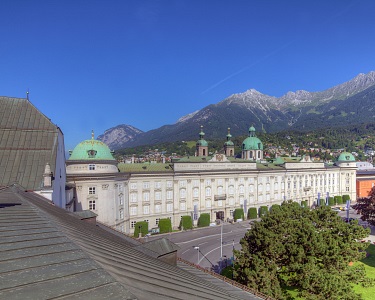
<point x="275" y="207"/>
<point x="263" y="210"/>
<point x="345" y="198"/>
<point x="186" y="223"/>
<point x="331" y="201"/>
<point x="238" y="214"/>
<point x="252" y="213"/>
<point x="338" y="199"/>
<point x="304" y="203"/>
<point x="165" y="225"/>
<point x="140" y="227"/>
<point x="204" y="220"/>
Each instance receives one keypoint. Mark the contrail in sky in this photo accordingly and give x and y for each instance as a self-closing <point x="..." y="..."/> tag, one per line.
<point x="328" y="20"/>
<point x="247" y="67"/>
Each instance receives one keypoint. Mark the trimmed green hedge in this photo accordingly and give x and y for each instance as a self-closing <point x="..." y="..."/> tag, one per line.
<point x="338" y="199"/>
<point x="275" y="207"/>
<point x="165" y="225"/>
<point x="252" y="213"/>
<point x="238" y="214"/>
<point x="140" y="227"/>
<point x="331" y="201"/>
<point x="263" y="210"/>
<point x="345" y="198"/>
<point x="204" y="220"/>
<point x="186" y="223"/>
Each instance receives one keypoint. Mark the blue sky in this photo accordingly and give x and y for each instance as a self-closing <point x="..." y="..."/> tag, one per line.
<point x="97" y="64"/>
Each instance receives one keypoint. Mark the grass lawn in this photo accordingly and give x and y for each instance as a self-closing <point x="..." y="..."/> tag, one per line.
<point x="369" y="263"/>
<point x="368" y="293"/>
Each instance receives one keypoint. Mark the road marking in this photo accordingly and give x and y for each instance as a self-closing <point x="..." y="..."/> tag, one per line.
<point x="185" y="251"/>
<point x="203" y="237"/>
<point x="214" y="250"/>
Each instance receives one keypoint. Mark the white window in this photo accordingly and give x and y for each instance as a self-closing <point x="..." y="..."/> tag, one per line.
<point x="157" y="184"/>
<point x="276" y="186"/>
<point x="241" y="189"/>
<point x="231" y="190"/>
<point x="182" y="183"/>
<point x="220" y="182"/>
<point x="121" y="214"/>
<point x="133" y="211"/>
<point x="251" y="188"/>
<point x="146" y="196"/>
<point x="132" y="224"/>
<point x="220" y="190"/>
<point x="182" y="206"/>
<point x="251" y="199"/>
<point x="146" y="185"/>
<point x="241" y="200"/>
<point x="120" y="187"/>
<point x="146" y="210"/>
<point x="169" y="195"/>
<point x="208" y="192"/>
<point x="133" y="186"/>
<point x="251" y="180"/>
<point x="157" y="208"/>
<point x="283" y="185"/>
<point x="91" y="167"/>
<point x="267" y="187"/>
<point x="92" y="190"/>
<point x="268" y="197"/>
<point x="219" y="203"/>
<point x="260" y="198"/>
<point x="121" y="201"/>
<point x="195" y="182"/>
<point x="347" y="189"/>
<point x="169" y="207"/>
<point x="195" y="192"/>
<point x="241" y="180"/>
<point x="92" y="205"/>
<point x="182" y="194"/>
<point x="231" y="201"/>
<point x="260" y="187"/>
<point x="208" y="203"/>
<point x="208" y="182"/>
<point x="157" y="195"/>
<point x="169" y="184"/>
<point x="133" y="197"/>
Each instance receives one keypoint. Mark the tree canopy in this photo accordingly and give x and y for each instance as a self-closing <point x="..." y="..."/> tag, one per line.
<point x="306" y="250"/>
<point x="366" y="207"/>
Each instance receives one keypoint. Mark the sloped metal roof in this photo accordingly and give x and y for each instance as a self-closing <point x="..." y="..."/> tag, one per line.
<point x="28" y="141"/>
<point x="46" y="252"/>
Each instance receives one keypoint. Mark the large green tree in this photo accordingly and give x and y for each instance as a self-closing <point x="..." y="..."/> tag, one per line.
<point x="366" y="207"/>
<point x="308" y="250"/>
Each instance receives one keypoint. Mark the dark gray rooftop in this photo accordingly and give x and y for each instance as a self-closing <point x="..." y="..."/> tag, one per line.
<point x="28" y="141"/>
<point x="47" y="253"/>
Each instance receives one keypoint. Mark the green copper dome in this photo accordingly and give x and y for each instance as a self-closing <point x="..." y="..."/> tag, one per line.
<point x="252" y="142"/>
<point x="346" y="156"/>
<point x="91" y="150"/>
<point x="201" y="141"/>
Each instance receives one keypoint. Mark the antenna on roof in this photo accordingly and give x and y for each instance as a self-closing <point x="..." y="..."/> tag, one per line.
<point x="92" y="134"/>
<point x="27" y="94"/>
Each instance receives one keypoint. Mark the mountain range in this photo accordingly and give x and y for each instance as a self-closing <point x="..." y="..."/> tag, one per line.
<point x="352" y="102"/>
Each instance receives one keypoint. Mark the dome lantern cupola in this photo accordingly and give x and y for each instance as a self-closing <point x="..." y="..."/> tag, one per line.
<point x="202" y="145"/>
<point x="228" y="145"/>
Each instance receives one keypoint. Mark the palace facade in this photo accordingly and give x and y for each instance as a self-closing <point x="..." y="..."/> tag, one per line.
<point x="122" y="194"/>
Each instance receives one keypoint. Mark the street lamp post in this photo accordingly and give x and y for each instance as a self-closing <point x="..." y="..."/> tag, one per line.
<point x="197" y="248"/>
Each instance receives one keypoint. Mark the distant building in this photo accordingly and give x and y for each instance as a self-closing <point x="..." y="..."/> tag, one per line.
<point x="31" y="150"/>
<point x="125" y="193"/>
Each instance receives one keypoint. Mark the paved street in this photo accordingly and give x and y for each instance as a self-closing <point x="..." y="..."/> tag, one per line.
<point x="202" y="245"/>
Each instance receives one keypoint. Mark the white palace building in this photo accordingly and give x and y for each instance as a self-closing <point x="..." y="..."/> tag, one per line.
<point x="122" y="194"/>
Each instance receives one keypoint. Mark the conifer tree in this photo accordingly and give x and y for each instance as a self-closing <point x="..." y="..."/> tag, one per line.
<point x="309" y="250"/>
